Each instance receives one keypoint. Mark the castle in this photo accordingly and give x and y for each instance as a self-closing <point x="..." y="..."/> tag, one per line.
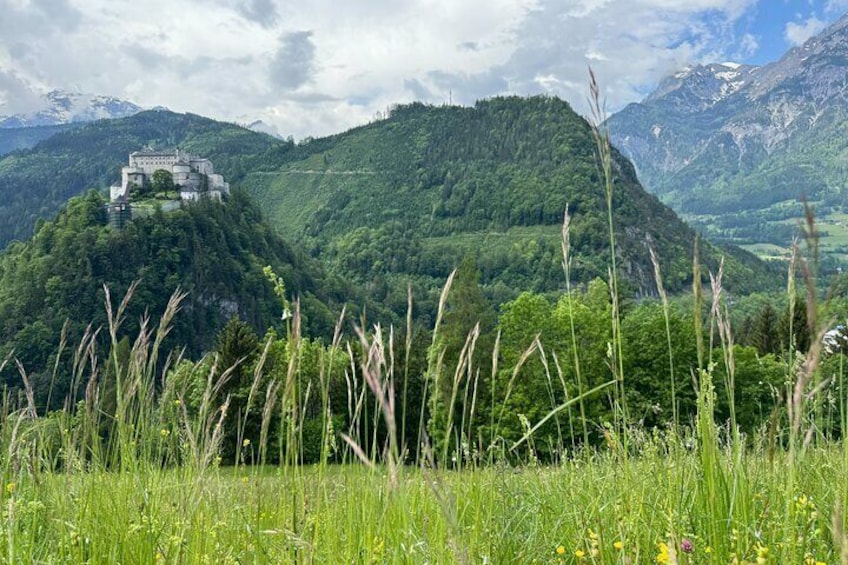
<point x="194" y="177"/>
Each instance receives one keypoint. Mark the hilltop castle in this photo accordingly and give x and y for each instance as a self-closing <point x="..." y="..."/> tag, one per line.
<point x="194" y="177"/>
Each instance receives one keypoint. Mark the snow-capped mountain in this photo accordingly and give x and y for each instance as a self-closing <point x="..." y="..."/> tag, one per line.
<point x="61" y="107"/>
<point x="702" y="86"/>
<point x="720" y="137"/>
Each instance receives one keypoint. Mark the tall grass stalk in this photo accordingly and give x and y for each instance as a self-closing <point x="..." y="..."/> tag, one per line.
<point x="666" y="316"/>
<point x="575" y="356"/>
<point x="604" y="152"/>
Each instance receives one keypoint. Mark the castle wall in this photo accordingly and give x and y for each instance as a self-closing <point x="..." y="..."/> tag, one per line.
<point x="196" y="176"/>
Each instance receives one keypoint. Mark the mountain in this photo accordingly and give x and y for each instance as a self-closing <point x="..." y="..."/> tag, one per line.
<point x="59" y="111"/>
<point x="61" y="107"/>
<point x="409" y="196"/>
<point x="403" y="199"/>
<point x="36" y="182"/>
<point x="12" y="139"/>
<point x="714" y="140"/>
<point x="213" y="251"/>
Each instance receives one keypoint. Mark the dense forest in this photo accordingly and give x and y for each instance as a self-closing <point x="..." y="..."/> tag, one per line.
<point x="406" y="198"/>
<point x="504" y="369"/>
<point x="214" y="252"/>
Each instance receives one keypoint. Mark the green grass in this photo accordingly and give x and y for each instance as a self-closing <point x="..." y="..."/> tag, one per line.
<point x="152" y="491"/>
<point x="833" y="227"/>
<point x="348" y="514"/>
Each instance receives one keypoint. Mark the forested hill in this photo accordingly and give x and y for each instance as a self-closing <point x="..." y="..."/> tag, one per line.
<point x="412" y="194"/>
<point x="215" y="252"/>
<point x="405" y="198"/>
<point x="35" y="183"/>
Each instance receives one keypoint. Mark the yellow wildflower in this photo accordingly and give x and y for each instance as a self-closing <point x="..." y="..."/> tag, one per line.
<point x="10" y="488"/>
<point x="579" y="554"/>
<point x="560" y="550"/>
<point x="662" y="556"/>
<point x="618" y="545"/>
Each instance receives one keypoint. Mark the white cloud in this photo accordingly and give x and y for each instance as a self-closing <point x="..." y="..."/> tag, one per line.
<point x="836" y="6"/>
<point x="320" y="66"/>
<point x="798" y="33"/>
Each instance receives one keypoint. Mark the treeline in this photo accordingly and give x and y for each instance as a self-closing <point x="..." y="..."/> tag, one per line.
<point x="487" y="376"/>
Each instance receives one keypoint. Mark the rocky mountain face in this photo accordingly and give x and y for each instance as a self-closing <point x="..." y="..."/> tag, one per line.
<point x="723" y="137"/>
<point x="61" y="107"/>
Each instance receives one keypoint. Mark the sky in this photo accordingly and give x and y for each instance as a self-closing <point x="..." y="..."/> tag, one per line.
<point x="317" y="67"/>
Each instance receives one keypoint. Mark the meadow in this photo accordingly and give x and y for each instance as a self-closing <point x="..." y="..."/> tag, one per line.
<point x="142" y="480"/>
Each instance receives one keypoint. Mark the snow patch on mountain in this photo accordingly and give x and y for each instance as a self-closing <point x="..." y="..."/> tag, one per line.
<point x="62" y="107"/>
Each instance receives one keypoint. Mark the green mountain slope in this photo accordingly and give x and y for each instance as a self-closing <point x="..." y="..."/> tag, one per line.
<point x="36" y="182"/>
<point x="215" y="252"/>
<point x="414" y="193"/>
<point x="12" y="139"/>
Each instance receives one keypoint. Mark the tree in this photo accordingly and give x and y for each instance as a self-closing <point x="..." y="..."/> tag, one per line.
<point x="237" y="348"/>
<point x="163" y="182"/>
<point x="648" y="362"/>
<point x="764" y="334"/>
<point x="453" y="382"/>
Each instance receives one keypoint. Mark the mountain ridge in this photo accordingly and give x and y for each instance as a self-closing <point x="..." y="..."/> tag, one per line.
<point x="63" y="107"/>
<point x="490" y="180"/>
<point x="743" y="148"/>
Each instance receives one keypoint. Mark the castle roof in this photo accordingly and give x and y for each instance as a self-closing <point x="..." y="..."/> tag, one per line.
<point x="151" y="153"/>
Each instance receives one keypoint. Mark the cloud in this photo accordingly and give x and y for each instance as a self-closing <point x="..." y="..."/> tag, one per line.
<point x="316" y="67"/>
<point x="263" y="12"/>
<point x="17" y="96"/>
<point x="630" y="44"/>
<point x="798" y="33"/>
<point x="748" y="46"/>
<point x="293" y="64"/>
<point x="417" y="88"/>
<point x="836" y="6"/>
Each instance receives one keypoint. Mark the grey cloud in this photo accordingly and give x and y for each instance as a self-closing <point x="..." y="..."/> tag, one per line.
<point x="468" y="46"/>
<point x="38" y="17"/>
<point x="20" y="96"/>
<point x="144" y="56"/>
<point x="311" y="97"/>
<point x="468" y="88"/>
<point x="263" y="12"/>
<point x="294" y="62"/>
<point x="417" y="88"/>
<point x="150" y="59"/>
<point x="360" y="100"/>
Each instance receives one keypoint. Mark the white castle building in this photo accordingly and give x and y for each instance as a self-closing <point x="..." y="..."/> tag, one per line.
<point x="194" y="177"/>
